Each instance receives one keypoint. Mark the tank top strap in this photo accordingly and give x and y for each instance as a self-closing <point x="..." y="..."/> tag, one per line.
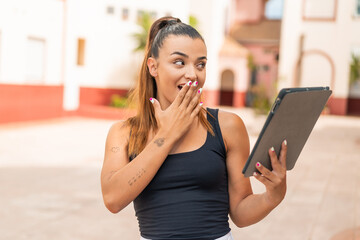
<point x="215" y="142"/>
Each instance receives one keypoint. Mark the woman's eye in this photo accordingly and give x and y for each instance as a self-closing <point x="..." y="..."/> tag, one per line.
<point x="201" y="65"/>
<point x="179" y="62"/>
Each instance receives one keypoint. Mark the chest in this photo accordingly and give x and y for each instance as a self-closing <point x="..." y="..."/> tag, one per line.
<point x="203" y="169"/>
<point x="192" y="140"/>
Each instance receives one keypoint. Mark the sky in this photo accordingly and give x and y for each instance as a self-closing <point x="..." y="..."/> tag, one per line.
<point x="274" y="9"/>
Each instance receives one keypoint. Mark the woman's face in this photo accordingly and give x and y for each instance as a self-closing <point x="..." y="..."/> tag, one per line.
<point x="181" y="59"/>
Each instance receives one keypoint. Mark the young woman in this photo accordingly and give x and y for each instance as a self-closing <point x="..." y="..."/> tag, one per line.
<point x="179" y="163"/>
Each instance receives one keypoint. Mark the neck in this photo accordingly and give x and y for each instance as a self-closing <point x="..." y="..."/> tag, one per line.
<point x="164" y="104"/>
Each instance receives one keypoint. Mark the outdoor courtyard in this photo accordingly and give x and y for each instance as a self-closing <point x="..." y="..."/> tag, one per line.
<point x="50" y="183"/>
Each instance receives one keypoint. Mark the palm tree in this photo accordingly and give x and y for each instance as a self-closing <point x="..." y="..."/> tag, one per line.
<point x="145" y="22"/>
<point x="193" y="21"/>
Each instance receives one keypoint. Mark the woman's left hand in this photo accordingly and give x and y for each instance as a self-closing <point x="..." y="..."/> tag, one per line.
<point x="275" y="180"/>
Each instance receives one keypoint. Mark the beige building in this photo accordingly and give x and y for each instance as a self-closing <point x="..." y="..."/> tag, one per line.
<point x="64" y="57"/>
<point x="59" y="56"/>
<point x="317" y="41"/>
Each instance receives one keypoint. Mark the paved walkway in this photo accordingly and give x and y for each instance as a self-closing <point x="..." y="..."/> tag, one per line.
<point x="50" y="184"/>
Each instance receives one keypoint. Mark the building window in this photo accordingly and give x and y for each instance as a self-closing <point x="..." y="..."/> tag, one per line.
<point x="319" y="10"/>
<point x="125" y="14"/>
<point x="81" y="52"/>
<point x="110" y="10"/>
<point x="140" y="14"/>
<point x="35" y="60"/>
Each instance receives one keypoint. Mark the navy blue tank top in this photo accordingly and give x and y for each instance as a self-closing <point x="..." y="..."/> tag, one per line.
<point x="188" y="197"/>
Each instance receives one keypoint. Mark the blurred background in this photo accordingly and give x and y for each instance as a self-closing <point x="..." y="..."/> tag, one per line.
<point x="67" y="66"/>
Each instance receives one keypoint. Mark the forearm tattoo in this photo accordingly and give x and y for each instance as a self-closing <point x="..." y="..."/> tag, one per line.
<point x="115" y="149"/>
<point x="159" y="141"/>
<point x="135" y="178"/>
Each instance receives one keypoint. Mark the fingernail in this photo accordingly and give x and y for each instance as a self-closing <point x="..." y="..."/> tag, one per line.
<point x="200" y="90"/>
<point x="285" y="142"/>
<point x="201" y="103"/>
<point x="195" y="83"/>
<point x="189" y="83"/>
<point x="151" y="100"/>
<point x="255" y="174"/>
<point x="258" y="164"/>
<point x="272" y="149"/>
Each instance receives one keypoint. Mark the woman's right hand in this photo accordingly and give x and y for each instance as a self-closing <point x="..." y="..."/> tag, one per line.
<point x="179" y="116"/>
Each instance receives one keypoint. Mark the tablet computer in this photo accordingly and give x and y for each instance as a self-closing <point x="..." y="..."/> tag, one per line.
<point x="292" y="117"/>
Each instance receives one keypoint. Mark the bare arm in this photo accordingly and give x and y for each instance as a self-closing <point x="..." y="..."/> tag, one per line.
<point x="247" y="208"/>
<point x="121" y="180"/>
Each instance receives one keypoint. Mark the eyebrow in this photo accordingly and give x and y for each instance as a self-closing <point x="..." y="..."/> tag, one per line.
<point x="184" y="55"/>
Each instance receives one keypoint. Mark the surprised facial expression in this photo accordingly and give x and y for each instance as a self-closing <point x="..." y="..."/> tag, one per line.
<point x="181" y="59"/>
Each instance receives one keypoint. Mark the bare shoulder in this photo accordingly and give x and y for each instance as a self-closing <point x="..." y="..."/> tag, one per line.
<point x="119" y="129"/>
<point x="233" y="129"/>
<point x="117" y="138"/>
<point x="229" y="120"/>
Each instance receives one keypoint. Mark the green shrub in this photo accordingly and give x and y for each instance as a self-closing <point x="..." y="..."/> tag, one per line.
<point x="354" y="68"/>
<point x="261" y="102"/>
<point x="119" y="101"/>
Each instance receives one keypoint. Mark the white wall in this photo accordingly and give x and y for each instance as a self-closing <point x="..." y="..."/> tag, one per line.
<point x="109" y="58"/>
<point x="336" y="39"/>
<point x="290" y="33"/>
<point x="38" y="19"/>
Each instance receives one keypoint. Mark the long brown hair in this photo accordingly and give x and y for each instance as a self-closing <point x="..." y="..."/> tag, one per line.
<point x="145" y="120"/>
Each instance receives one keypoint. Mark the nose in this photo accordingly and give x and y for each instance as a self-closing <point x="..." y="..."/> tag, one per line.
<point x="190" y="73"/>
